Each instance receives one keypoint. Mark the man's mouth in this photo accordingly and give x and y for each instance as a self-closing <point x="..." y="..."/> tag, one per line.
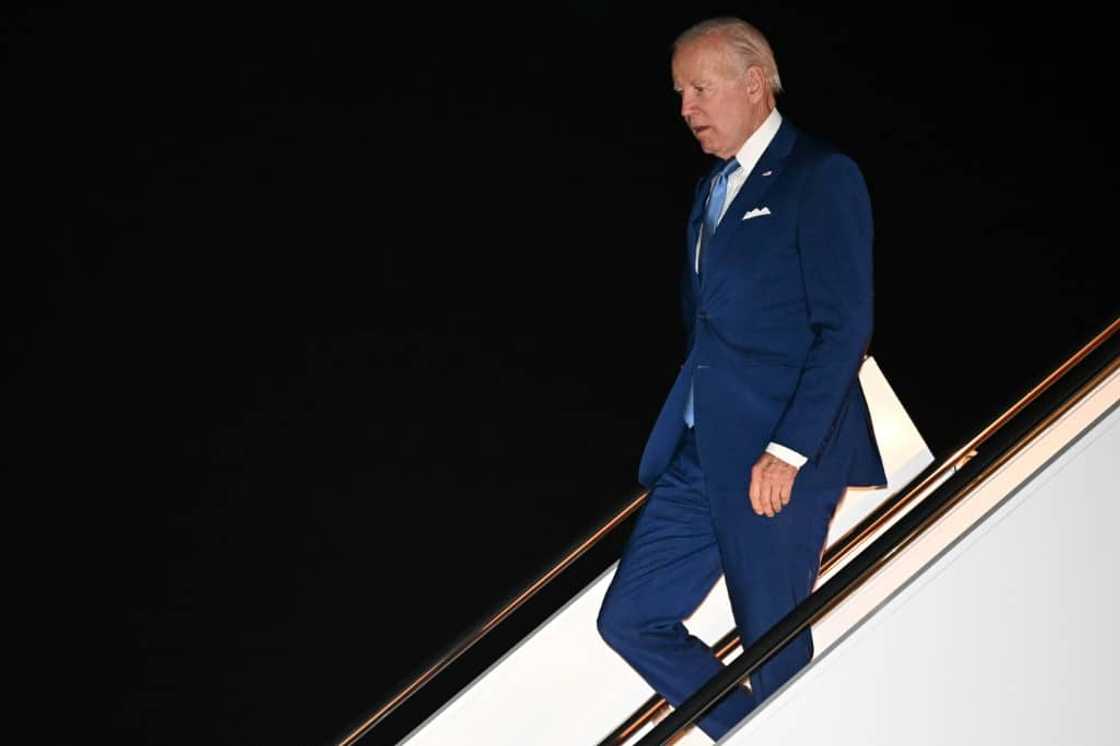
<point x="698" y="130"/>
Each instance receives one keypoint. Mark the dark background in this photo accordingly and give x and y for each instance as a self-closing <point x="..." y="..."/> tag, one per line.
<point x="329" y="331"/>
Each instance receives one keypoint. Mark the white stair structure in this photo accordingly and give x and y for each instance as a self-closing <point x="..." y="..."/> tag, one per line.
<point x="998" y="625"/>
<point x="562" y="685"/>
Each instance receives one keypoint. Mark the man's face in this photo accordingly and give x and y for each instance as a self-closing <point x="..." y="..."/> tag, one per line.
<point x="719" y="103"/>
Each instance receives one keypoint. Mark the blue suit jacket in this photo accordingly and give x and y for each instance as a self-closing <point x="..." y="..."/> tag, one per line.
<point x="778" y="324"/>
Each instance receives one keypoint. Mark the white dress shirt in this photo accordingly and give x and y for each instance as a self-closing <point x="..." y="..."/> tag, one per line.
<point x="748" y="156"/>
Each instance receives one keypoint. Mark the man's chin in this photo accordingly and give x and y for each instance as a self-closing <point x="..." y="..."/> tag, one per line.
<point x="707" y="145"/>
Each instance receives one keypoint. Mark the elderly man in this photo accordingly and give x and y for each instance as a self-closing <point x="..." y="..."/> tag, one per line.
<point x="766" y="424"/>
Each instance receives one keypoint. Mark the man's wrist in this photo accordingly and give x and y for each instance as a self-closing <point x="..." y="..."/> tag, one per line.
<point x="790" y="456"/>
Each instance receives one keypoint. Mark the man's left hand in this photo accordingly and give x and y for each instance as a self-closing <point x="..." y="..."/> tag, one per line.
<point x="771" y="484"/>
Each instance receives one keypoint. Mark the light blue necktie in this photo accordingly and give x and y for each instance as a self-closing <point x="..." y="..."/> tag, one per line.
<point x="716" y="195"/>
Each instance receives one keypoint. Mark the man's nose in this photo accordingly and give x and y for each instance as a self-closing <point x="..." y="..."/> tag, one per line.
<point x="686" y="106"/>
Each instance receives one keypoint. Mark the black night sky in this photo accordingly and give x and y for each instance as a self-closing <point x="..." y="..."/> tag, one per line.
<point x="330" y="330"/>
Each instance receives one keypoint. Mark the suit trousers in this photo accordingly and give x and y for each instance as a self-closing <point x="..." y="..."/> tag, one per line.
<point x="683" y="540"/>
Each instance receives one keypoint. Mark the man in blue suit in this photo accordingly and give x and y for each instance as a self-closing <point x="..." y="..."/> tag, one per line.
<point x="766" y="424"/>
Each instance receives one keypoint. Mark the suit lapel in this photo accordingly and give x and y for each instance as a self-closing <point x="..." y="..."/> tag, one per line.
<point x="695" y="224"/>
<point x="757" y="184"/>
<point x="753" y="190"/>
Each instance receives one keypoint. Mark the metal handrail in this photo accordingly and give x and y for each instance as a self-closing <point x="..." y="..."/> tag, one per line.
<point x="884" y="514"/>
<point x="1005" y="445"/>
<point x="474" y="637"/>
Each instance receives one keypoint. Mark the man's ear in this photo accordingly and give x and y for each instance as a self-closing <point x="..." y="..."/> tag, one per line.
<point x="756" y="82"/>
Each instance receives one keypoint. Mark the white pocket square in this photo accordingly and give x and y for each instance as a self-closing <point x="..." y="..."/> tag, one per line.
<point x="756" y="212"/>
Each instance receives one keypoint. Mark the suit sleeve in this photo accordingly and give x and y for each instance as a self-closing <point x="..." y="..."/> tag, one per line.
<point x="834" y="244"/>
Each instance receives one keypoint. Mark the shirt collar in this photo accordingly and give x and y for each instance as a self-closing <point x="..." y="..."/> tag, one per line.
<point x="757" y="143"/>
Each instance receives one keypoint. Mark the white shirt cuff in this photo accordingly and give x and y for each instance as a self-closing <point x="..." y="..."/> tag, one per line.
<point x="788" y="455"/>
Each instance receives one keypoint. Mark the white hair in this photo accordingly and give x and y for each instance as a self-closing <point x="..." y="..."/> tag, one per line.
<point x="745" y="42"/>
